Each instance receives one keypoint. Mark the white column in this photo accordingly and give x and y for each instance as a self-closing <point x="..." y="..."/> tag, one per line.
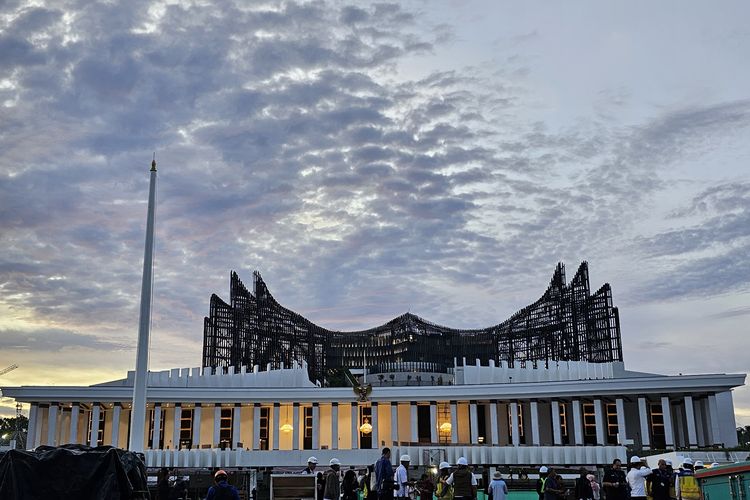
<point x="157" y="427"/>
<point x="334" y="426"/>
<point x="256" y="426"/>
<point x="413" y="422"/>
<point x="52" y="424"/>
<point x="621" y="429"/>
<point x="355" y="426"/>
<point x="276" y="425"/>
<point x="599" y="418"/>
<point x="534" y="406"/>
<point x="374" y="413"/>
<point x="74" y="417"/>
<point x="236" y="425"/>
<point x="31" y="432"/>
<point x="668" y="430"/>
<point x="394" y="423"/>
<point x="690" y="416"/>
<point x="197" y="426"/>
<point x="176" y="421"/>
<point x="433" y="422"/>
<point x="713" y="416"/>
<point x="515" y="438"/>
<point x="494" y="434"/>
<point x="295" y="425"/>
<point x="473" y="422"/>
<point x="116" y="409"/>
<point x="578" y="421"/>
<point x="316" y="426"/>
<point x="645" y="428"/>
<point x="96" y="411"/>
<point x="217" y="426"/>
<point x="454" y="422"/>
<point x="556" y="430"/>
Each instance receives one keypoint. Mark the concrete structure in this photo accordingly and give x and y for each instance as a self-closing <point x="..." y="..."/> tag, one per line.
<point x="575" y="413"/>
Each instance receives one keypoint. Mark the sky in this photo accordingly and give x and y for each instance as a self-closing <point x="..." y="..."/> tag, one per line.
<point x="371" y="159"/>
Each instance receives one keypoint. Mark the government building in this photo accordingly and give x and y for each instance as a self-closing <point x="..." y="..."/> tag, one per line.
<point x="546" y="386"/>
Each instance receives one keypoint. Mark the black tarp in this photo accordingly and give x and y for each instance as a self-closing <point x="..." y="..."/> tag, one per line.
<point x="72" y="472"/>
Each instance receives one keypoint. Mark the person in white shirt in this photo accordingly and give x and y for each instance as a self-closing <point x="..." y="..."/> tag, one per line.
<point x="637" y="478"/>
<point x="401" y="477"/>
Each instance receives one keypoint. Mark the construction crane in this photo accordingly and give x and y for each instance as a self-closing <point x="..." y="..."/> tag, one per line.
<point x="8" y="369"/>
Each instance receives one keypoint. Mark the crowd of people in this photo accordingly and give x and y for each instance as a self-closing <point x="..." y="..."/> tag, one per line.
<point x="382" y="482"/>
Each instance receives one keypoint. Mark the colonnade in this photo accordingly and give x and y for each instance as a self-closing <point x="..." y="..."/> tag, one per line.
<point x="646" y="421"/>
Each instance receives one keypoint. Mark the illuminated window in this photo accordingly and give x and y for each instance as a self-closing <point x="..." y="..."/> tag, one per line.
<point x="307" y="436"/>
<point x="263" y="427"/>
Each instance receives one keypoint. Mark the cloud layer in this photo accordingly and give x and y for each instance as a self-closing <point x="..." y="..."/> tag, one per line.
<point x="296" y="139"/>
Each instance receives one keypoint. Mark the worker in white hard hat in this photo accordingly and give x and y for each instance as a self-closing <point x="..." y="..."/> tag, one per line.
<point x="332" y="490"/>
<point x="463" y="481"/>
<point x="541" y="482"/>
<point x="685" y="484"/>
<point x="636" y="478"/>
<point x="312" y="462"/>
<point x="402" y="477"/>
<point x="443" y="490"/>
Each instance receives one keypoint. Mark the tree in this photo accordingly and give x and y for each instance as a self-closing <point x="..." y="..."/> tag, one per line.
<point x="8" y="428"/>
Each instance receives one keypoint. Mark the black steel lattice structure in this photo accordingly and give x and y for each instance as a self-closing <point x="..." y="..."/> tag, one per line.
<point x="567" y="323"/>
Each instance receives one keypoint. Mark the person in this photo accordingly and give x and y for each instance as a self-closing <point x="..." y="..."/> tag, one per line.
<point x="698" y="465"/>
<point x="463" y="481"/>
<point x="594" y="486"/>
<point x="425" y="487"/>
<point x="443" y="490"/>
<point x="367" y="484"/>
<point x="320" y="484"/>
<point x="542" y="481"/>
<point x="162" y="484"/>
<point x="659" y="481"/>
<point x="615" y="482"/>
<point x="583" y="488"/>
<point x="222" y="490"/>
<point x="714" y="464"/>
<point x="384" y="475"/>
<point x="497" y="489"/>
<point x="672" y="475"/>
<point x="685" y="484"/>
<point x="637" y="478"/>
<point x="553" y="486"/>
<point x="333" y="487"/>
<point x="402" y="477"/>
<point x="312" y="462"/>
<point x="350" y="485"/>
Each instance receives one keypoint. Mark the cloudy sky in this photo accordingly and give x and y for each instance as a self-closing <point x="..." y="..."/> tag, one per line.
<point x="371" y="159"/>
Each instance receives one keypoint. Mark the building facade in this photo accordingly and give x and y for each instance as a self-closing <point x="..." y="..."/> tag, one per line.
<point x="573" y="413"/>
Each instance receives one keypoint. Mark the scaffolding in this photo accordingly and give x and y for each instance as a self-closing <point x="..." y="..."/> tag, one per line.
<point x="567" y="323"/>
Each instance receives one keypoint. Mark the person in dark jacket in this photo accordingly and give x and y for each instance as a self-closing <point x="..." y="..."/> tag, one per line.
<point x="660" y="481"/>
<point x="222" y="490"/>
<point x="350" y="485"/>
<point x="583" y="487"/>
<point x="162" y="484"/>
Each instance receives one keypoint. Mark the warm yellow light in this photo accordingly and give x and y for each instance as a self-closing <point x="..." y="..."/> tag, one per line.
<point x="445" y="427"/>
<point x="365" y="428"/>
<point x="286" y="428"/>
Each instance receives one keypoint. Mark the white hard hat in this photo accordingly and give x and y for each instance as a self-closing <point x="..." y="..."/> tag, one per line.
<point x="715" y="464"/>
<point x="699" y="463"/>
<point x="312" y="460"/>
<point x="462" y="461"/>
<point x="635" y="459"/>
<point x="405" y="458"/>
<point x="335" y="461"/>
<point x="543" y="469"/>
<point x="688" y="461"/>
<point x="444" y="465"/>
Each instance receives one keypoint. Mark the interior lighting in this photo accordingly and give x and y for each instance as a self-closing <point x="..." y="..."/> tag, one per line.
<point x="445" y="427"/>
<point x="366" y="427"/>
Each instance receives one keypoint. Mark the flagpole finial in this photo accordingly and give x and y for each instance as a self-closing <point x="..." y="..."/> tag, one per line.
<point x="153" y="163"/>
